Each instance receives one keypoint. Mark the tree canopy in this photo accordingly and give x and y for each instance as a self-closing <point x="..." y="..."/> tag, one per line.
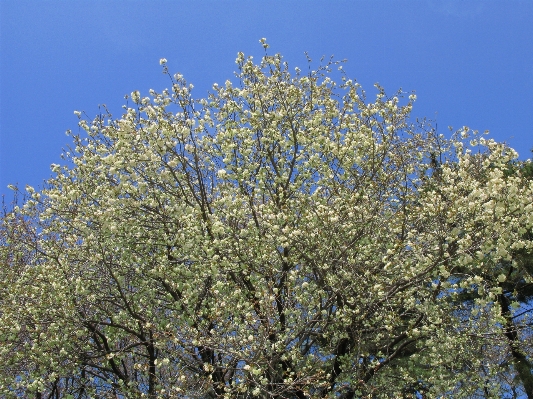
<point x="283" y="237"/>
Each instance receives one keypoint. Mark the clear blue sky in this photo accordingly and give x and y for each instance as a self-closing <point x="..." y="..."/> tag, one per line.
<point x="470" y="62"/>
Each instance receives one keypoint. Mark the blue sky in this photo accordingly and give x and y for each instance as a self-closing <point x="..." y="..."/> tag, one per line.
<point x="470" y="62"/>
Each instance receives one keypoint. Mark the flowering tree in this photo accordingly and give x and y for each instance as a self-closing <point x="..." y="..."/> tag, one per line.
<point x="282" y="238"/>
<point x="514" y="300"/>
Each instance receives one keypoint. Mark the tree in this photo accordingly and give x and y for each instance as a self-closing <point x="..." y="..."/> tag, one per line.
<point x="514" y="301"/>
<point x="281" y="238"/>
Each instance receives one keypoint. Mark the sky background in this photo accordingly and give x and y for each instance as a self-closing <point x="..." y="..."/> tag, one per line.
<point x="470" y="62"/>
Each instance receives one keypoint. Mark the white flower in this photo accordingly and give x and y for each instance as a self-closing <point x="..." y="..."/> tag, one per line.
<point x="222" y="173"/>
<point x="264" y="43"/>
<point x="162" y="61"/>
<point x="136" y="96"/>
<point x="77" y="113"/>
